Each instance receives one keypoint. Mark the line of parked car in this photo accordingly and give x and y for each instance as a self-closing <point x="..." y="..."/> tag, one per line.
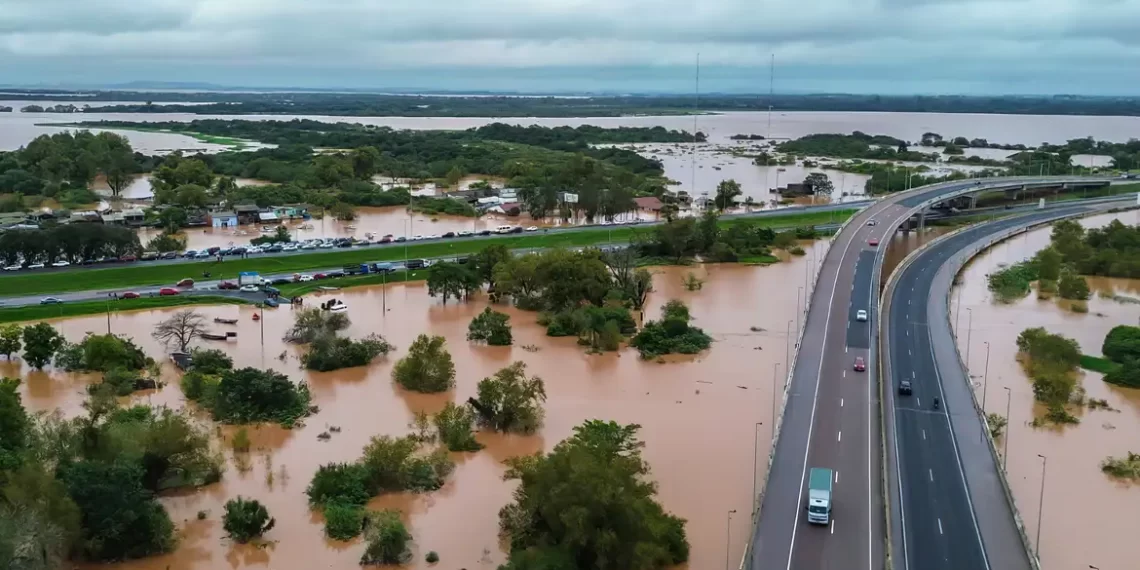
<point x="306" y="245"/>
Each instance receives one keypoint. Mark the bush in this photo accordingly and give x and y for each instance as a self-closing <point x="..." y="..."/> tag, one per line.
<point x="241" y="441"/>
<point x="329" y="352"/>
<point x="1127" y="467"/>
<point x="1012" y="282"/>
<point x="453" y="423"/>
<point x="343" y="522"/>
<point x="388" y="540"/>
<point x="121" y="520"/>
<point x="245" y="520"/>
<point x="511" y="402"/>
<point x="672" y="334"/>
<point x="1127" y="374"/>
<point x="250" y="395"/>
<point x="431" y="557"/>
<point x="602" y="328"/>
<point x="339" y="483"/>
<point x="427" y="367"/>
<point x="311" y="323"/>
<point x="1073" y="286"/>
<point x="103" y="353"/>
<point x="491" y="327"/>
<point x="210" y="361"/>
<point x="1122" y="343"/>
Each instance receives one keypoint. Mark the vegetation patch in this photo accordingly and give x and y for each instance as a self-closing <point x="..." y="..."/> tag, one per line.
<point x="1051" y="361"/>
<point x="1127" y="467"/>
<point x="672" y="334"/>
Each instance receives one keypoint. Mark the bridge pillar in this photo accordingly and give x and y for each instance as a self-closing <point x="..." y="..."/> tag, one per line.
<point x="973" y="201"/>
<point x="922" y="219"/>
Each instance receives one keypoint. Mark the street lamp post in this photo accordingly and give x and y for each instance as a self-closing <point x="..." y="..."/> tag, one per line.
<point x="799" y="293"/>
<point x="1005" y="444"/>
<point x="728" y="541"/>
<point x="969" y="335"/>
<point x="958" y="313"/>
<point x="985" y="376"/>
<point x="788" y="344"/>
<point x="755" y="465"/>
<point x="1041" y="504"/>
<point x="775" y="378"/>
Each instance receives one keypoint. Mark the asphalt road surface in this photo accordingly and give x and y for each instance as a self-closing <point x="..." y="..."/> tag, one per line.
<point x="953" y="512"/>
<point x="830" y="417"/>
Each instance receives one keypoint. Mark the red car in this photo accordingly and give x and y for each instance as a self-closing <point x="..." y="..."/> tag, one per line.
<point x="166" y="291"/>
<point x="227" y="285"/>
<point x="128" y="257"/>
<point x="187" y="282"/>
<point x="129" y="295"/>
<point x="319" y="276"/>
<point x="386" y="239"/>
<point x="859" y="365"/>
<point x="873" y="242"/>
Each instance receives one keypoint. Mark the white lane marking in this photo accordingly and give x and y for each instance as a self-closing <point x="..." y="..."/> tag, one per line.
<point x="815" y="402"/>
<point x="940" y="530"/>
<point x="923" y="434"/>
<point x="837" y="476"/>
<point x="931" y="472"/>
<point x="839" y="437"/>
<point x="909" y="353"/>
<point x="832" y="526"/>
<point x="912" y="374"/>
<point x="841" y="402"/>
<point x="844" y="374"/>
<point x="918" y="401"/>
<point x="847" y="349"/>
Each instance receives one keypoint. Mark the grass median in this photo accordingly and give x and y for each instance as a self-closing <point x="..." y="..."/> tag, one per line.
<point x="82" y="308"/>
<point x="123" y="278"/>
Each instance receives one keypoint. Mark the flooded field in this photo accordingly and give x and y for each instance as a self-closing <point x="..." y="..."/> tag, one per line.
<point x="1078" y="528"/>
<point x="698" y="418"/>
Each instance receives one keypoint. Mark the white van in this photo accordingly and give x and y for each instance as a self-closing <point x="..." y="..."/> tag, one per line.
<point x="503" y="229"/>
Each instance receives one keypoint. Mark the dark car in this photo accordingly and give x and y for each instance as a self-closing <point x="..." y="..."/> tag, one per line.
<point x="170" y="255"/>
<point x="228" y="285"/>
<point x="485" y="233"/>
<point x="334" y="274"/>
<point x="190" y="254"/>
<point x="860" y="366"/>
<point x="448" y="235"/>
<point x="416" y="264"/>
<point x="386" y="239"/>
<point x="904" y="388"/>
<point x="401" y="239"/>
<point x="344" y="243"/>
<point x="275" y="248"/>
<point x="463" y="259"/>
<point x="213" y="250"/>
<point x="226" y="251"/>
<point x="516" y="230"/>
<point x="149" y="257"/>
<point x="281" y="281"/>
<point x="239" y="250"/>
<point x="129" y="295"/>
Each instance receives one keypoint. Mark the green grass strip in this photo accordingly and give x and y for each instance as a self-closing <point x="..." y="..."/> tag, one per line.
<point x="1097" y="364"/>
<point x="124" y="278"/>
<point x="82" y="308"/>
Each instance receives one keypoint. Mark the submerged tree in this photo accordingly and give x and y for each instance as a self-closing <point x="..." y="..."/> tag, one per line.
<point x="511" y="402"/>
<point x="245" y="519"/>
<point x="427" y="367"/>
<point x="491" y="327"/>
<point x="180" y="330"/>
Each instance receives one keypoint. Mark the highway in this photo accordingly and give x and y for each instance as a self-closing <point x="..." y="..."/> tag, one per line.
<point x="953" y="511"/>
<point x="831" y="413"/>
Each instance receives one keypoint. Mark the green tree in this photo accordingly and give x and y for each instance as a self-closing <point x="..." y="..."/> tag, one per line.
<point x="41" y="341"/>
<point x="484" y="262"/>
<point x="178" y="171"/>
<point x="509" y="401"/>
<point x="364" y="162"/>
<point x="121" y="520"/>
<point x="250" y="395"/>
<point x="726" y="193"/>
<point x="427" y="367"/>
<point x="1073" y="286"/>
<point x="454" y="426"/>
<point x="454" y="176"/>
<point x="597" y="474"/>
<point x="1049" y="264"/>
<point x="173" y="218"/>
<point x="820" y="184"/>
<point x="448" y="280"/>
<point x="1122" y="344"/>
<point x="672" y="334"/>
<point x="491" y="327"/>
<point x="339" y="483"/>
<point x="167" y="242"/>
<point x="10" y="339"/>
<point x="311" y="323"/>
<point x="245" y="519"/>
<point x="14" y="425"/>
<point x="330" y="352"/>
<point x="387" y="539"/>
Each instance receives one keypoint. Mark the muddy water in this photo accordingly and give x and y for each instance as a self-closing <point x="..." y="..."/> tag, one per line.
<point x="697" y="415"/>
<point x="1080" y="501"/>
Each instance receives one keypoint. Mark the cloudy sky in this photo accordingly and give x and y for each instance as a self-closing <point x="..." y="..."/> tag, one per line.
<point x="868" y="46"/>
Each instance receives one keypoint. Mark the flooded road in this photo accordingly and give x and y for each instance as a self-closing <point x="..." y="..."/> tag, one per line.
<point x="698" y="418"/>
<point x="1084" y="521"/>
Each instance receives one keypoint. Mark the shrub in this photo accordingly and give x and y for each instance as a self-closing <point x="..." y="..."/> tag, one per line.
<point x="388" y="540"/>
<point x="339" y="483"/>
<point x="251" y="395"/>
<point x="1122" y="343"/>
<point x="491" y="327"/>
<point x="310" y="323"/>
<point x="431" y="557"/>
<point x="343" y="522"/>
<point x="210" y="361"/>
<point x="1072" y="286"/>
<point x="672" y="334"/>
<point x="329" y="352"/>
<point x="453" y="423"/>
<point x="245" y="520"/>
<point x="121" y="519"/>
<point x="427" y="367"/>
<point x="241" y="441"/>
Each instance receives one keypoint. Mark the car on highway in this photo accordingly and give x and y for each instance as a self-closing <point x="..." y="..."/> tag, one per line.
<point x="149" y="256"/>
<point x="187" y="282"/>
<point x="517" y="230"/>
<point x="860" y="366"/>
<point x="873" y="242"/>
<point x="203" y="255"/>
<point x="251" y="288"/>
<point x="861" y="315"/>
<point x="448" y="235"/>
<point x="304" y="278"/>
<point x="13" y="268"/>
<point x="167" y="291"/>
<point x="190" y="254"/>
<point x="129" y="295"/>
<point x="60" y="263"/>
<point x="170" y="255"/>
<point x="904" y="388"/>
<point x="532" y="228"/>
<point x="51" y="301"/>
<point x="36" y="266"/>
<point x="128" y="258"/>
<point x="319" y="276"/>
<point x="281" y="281"/>
<point x="433" y="236"/>
<point x="227" y="285"/>
<point x="871" y="222"/>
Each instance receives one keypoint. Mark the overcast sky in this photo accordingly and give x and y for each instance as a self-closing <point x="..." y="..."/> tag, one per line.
<point x="878" y="46"/>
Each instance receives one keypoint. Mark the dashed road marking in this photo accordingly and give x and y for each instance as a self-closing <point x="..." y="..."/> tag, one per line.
<point x="839" y="437"/>
<point x="940" y="527"/>
<point x="931" y="472"/>
<point x="841" y="402"/>
<point x="923" y="434"/>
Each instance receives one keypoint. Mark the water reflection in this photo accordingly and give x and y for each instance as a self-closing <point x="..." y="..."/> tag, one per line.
<point x="698" y="417"/>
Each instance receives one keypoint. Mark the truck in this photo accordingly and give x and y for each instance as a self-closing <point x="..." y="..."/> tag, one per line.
<point x="819" y="495"/>
<point x="249" y="278"/>
<point x="356" y="269"/>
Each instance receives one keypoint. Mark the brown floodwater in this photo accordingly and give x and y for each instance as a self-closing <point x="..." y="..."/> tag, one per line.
<point x="698" y="417"/>
<point x="1085" y="519"/>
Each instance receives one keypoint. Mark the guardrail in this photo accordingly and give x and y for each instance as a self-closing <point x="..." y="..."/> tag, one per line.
<point x="956" y="264"/>
<point x="788" y="375"/>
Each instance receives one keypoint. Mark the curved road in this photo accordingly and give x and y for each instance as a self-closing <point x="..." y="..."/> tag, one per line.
<point x="953" y="508"/>
<point x="830" y="411"/>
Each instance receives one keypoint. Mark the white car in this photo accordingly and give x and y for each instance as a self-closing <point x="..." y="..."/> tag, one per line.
<point x="60" y="263"/>
<point x="861" y="315"/>
<point x="13" y="268"/>
<point x="308" y="245"/>
<point x="466" y="233"/>
<point x="251" y="288"/>
<point x="871" y="222"/>
<point x="305" y="278"/>
<point x="433" y="236"/>
<point x="417" y="237"/>
<point x="36" y="266"/>
<point x="253" y="249"/>
<point x="327" y="244"/>
<point x="532" y="229"/>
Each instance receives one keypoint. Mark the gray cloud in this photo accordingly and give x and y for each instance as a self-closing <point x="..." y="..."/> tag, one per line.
<point x="975" y="42"/>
